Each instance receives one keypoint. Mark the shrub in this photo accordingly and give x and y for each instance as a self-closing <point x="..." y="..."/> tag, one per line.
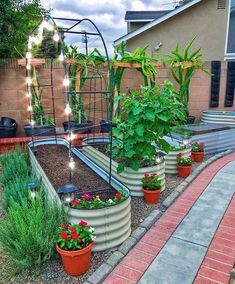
<point x="17" y="190"/>
<point x="28" y="233"/>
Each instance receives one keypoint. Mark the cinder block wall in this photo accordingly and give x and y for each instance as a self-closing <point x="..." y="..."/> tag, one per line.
<point x="13" y="102"/>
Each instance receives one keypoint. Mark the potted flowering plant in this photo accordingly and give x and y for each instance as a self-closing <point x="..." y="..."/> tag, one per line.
<point x="151" y="188"/>
<point x="74" y="246"/>
<point x="184" y="165"/>
<point x="198" y="151"/>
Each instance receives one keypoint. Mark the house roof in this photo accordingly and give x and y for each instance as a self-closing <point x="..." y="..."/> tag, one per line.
<point x="144" y="16"/>
<point x="157" y="21"/>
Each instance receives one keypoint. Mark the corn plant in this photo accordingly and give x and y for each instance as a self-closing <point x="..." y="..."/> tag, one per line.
<point x="183" y="66"/>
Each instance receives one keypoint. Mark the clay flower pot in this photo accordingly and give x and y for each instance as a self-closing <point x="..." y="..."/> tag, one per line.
<point x="184" y="171"/>
<point x="151" y="196"/>
<point x="198" y="156"/>
<point x="76" y="262"/>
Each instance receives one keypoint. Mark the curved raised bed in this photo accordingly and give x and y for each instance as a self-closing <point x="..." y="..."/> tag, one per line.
<point x="218" y="117"/>
<point x="112" y="224"/>
<point x="132" y="179"/>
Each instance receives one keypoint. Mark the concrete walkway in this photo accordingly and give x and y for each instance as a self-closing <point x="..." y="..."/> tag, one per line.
<point x="194" y="240"/>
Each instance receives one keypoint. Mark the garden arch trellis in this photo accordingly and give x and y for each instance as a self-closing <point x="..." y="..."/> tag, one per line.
<point x="97" y="94"/>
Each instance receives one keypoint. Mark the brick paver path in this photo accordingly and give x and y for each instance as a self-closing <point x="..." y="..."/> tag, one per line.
<point x="166" y="254"/>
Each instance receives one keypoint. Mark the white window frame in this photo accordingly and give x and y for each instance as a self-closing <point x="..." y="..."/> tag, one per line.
<point x="227" y="30"/>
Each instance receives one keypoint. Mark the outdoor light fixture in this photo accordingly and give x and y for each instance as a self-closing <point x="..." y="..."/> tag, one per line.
<point x="30" y="108"/>
<point x="185" y="141"/>
<point x="56" y="37"/>
<point x="71" y="163"/>
<point x="28" y="67"/>
<point x="67" y="193"/>
<point x="28" y="55"/>
<point x="32" y="188"/>
<point x="159" y="158"/>
<point x="67" y="109"/>
<point x="71" y="136"/>
<point x="29" y="81"/>
<point x="66" y="82"/>
<point x="32" y="122"/>
<point x="28" y="95"/>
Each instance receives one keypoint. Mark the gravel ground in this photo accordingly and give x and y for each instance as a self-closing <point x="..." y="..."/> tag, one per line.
<point x="52" y="271"/>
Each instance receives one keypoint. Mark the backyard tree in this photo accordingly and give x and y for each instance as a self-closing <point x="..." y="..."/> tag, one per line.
<point x="17" y="19"/>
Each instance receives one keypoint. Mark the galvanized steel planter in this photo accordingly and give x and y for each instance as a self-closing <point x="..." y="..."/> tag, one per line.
<point x="132" y="179"/>
<point x="112" y="224"/>
<point x="170" y="160"/>
<point x="218" y="117"/>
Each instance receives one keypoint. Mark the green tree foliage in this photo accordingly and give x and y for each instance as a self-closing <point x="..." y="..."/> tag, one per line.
<point x="17" y="20"/>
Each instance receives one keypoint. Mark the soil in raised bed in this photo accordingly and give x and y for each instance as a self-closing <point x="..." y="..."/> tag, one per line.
<point x="54" y="161"/>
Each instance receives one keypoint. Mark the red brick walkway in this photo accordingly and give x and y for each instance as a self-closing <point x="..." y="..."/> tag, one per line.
<point x="220" y="257"/>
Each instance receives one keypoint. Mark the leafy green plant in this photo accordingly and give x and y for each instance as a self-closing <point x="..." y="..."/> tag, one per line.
<point x="83" y="64"/>
<point x="198" y="147"/>
<point x="183" y="66"/>
<point x="36" y="101"/>
<point x="147" y="115"/>
<point x="75" y="237"/>
<point x="28" y="233"/>
<point x="151" y="182"/>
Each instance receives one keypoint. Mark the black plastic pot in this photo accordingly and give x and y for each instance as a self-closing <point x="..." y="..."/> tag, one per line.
<point x="7" y="121"/>
<point x="82" y="128"/>
<point x="105" y="125"/>
<point x="39" y="130"/>
<point x="190" y="119"/>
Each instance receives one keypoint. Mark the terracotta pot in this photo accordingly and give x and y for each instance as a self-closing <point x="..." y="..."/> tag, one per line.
<point x="184" y="171"/>
<point x="151" y="196"/>
<point x="198" y="156"/>
<point x="76" y="262"/>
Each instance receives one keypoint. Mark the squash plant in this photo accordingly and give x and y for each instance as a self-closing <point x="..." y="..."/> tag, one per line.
<point x="183" y="66"/>
<point x="146" y="116"/>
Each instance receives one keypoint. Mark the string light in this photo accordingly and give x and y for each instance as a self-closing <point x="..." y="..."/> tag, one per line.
<point x="28" y="55"/>
<point x="71" y="136"/>
<point x="61" y="57"/>
<point x="30" y="108"/>
<point x="66" y="82"/>
<point x="36" y="40"/>
<point x="158" y="160"/>
<point x="185" y="141"/>
<point x="32" y="122"/>
<point x="56" y="37"/>
<point x="28" y="95"/>
<point x="28" y="67"/>
<point x="68" y="109"/>
<point x="72" y="163"/>
<point x="29" y="81"/>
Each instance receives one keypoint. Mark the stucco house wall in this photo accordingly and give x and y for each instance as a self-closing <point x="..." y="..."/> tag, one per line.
<point x="203" y="20"/>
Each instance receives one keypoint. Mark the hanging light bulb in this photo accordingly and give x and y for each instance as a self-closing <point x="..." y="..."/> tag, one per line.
<point x="71" y="163"/>
<point x="30" y="108"/>
<point x="28" y="95"/>
<point x="29" y="81"/>
<point x="32" y="122"/>
<point x="61" y="57"/>
<point x="158" y="160"/>
<point x="28" y="55"/>
<point x="28" y="66"/>
<point x="66" y="81"/>
<point x="185" y="142"/>
<point x="36" y="40"/>
<point x="56" y="37"/>
<point x="71" y="136"/>
<point x="67" y="109"/>
<point x="30" y="45"/>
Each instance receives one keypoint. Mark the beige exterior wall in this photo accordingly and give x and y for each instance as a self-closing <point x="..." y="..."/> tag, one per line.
<point x="202" y="20"/>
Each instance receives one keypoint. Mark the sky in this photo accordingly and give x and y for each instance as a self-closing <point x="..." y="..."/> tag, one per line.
<point x="108" y="15"/>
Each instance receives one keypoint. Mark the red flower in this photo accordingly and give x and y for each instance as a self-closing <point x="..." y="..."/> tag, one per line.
<point x="118" y="195"/>
<point x="83" y="223"/>
<point x="74" y="202"/>
<point x="79" y="240"/>
<point x="71" y="229"/>
<point x="179" y="155"/>
<point x="87" y="196"/>
<point x="74" y="236"/>
<point x="62" y="226"/>
<point x="146" y="175"/>
<point x="191" y="156"/>
<point x="64" y="236"/>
